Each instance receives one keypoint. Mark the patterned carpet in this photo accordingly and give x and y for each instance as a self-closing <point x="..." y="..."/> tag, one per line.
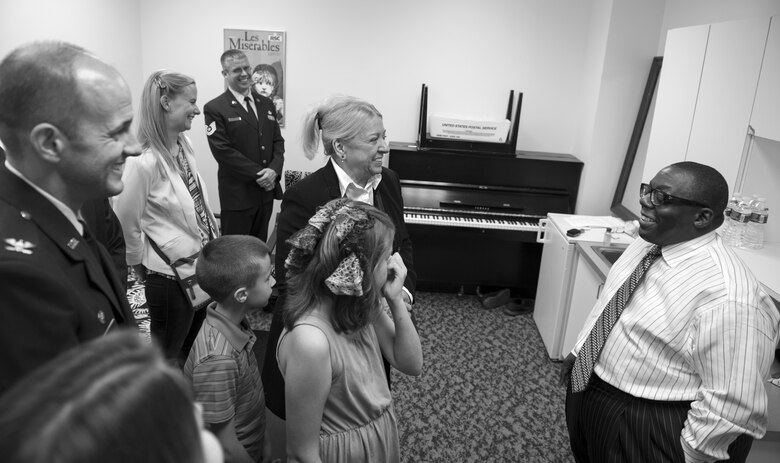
<point x="488" y="392"/>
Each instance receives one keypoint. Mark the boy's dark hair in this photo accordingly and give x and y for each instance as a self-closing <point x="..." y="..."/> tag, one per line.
<point x="230" y="262"/>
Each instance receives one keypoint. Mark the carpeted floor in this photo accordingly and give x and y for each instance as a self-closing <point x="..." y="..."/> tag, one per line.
<point x="488" y="392"/>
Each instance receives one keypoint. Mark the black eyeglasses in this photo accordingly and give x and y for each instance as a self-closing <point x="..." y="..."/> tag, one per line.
<point x="659" y="198"/>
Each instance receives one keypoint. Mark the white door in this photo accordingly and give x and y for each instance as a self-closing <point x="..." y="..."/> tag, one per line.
<point x="586" y="288"/>
<point x="726" y="92"/>
<point x="553" y="289"/>
<point x="766" y="110"/>
<point x="678" y="88"/>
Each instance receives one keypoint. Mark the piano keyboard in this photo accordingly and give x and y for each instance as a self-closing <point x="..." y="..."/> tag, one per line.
<point x="469" y="222"/>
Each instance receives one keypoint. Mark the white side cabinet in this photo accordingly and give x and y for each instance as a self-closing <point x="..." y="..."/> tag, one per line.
<point x="705" y="96"/>
<point x="766" y="111"/>
<point x="585" y="291"/>
<point x="678" y="87"/>
<point x="728" y="85"/>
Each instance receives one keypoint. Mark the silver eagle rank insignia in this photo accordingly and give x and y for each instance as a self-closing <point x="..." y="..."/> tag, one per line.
<point x="22" y="246"/>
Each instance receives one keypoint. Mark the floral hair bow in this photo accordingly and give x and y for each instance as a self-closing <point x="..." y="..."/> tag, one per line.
<point x="350" y="224"/>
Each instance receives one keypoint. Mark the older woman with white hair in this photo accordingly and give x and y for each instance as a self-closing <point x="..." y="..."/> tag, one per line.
<point x="353" y="137"/>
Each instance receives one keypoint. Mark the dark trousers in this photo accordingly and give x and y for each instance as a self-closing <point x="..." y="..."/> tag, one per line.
<point x="252" y="221"/>
<point x="606" y="425"/>
<point x="174" y="325"/>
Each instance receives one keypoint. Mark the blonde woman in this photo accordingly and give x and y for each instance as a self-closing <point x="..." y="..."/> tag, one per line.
<point x="165" y="201"/>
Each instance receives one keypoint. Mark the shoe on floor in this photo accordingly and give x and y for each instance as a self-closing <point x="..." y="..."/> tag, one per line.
<point x="495" y="299"/>
<point x="519" y="306"/>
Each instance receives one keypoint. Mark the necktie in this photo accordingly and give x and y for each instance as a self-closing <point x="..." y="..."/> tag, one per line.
<point x="205" y="226"/>
<point x="250" y="111"/>
<point x="591" y="349"/>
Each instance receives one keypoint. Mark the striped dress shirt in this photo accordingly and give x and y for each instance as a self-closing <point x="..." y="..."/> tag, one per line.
<point x="699" y="328"/>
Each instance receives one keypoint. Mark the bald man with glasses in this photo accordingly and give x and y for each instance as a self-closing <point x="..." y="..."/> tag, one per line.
<point x="671" y="363"/>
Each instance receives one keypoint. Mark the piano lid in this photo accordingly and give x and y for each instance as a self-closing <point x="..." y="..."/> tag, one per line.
<point x="526" y="172"/>
<point x="449" y="197"/>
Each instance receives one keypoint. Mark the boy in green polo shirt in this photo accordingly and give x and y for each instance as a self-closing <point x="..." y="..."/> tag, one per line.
<point x="235" y="270"/>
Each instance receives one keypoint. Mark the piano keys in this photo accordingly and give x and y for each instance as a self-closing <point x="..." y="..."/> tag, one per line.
<point x="473" y="217"/>
<point x="424" y="216"/>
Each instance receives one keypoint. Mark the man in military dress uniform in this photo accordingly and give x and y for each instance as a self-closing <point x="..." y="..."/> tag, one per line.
<point x="65" y="120"/>
<point x="247" y="143"/>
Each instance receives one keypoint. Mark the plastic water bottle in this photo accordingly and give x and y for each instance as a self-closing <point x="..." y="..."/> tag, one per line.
<point x="740" y="216"/>
<point x="727" y="220"/>
<point x="754" y="235"/>
<point x="753" y="201"/>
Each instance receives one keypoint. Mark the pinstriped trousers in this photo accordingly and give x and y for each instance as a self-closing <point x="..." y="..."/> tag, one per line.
<point x="606" y="425"/>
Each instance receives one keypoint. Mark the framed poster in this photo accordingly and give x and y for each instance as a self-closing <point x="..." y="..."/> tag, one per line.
<point x="266" y="53"/>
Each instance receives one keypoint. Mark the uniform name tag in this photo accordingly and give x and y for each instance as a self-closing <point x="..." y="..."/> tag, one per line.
<point x="234" y="119"/>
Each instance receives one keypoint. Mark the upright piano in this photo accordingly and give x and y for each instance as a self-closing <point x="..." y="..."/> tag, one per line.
<point x="473" y="217"/>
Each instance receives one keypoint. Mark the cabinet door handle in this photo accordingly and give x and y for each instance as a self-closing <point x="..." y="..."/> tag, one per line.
<point x="598" y="291"/>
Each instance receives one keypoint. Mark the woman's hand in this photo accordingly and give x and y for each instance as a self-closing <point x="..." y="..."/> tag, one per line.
<point x="396" y="275"/>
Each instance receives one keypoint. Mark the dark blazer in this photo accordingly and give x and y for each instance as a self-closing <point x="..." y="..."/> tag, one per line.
<point x="105" y="226"/>
<point x="302" y="200"/>
<point x="242" y="149"/>
<point x="298" y="206"/>
<point x="54" y="292"/>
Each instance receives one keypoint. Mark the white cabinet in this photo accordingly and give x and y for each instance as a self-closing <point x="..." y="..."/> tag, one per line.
<point x="726" y="92"/>
<point x="678" y="88"/>
<point x="553" y="289"/>
<point x="705" y="96"/>
<point x="585" y="291"/>
<point x="766" y="111"/>
<point x="562" y="258"/>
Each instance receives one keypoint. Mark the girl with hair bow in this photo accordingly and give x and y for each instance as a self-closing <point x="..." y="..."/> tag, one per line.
<point x="339" y="270"/>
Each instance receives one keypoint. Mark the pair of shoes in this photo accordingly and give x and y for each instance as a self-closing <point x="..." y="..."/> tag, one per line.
<point x="494" y="299"/>
<point x="519" y="306"/>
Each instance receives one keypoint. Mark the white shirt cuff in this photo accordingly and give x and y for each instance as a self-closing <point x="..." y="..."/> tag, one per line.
<point x="408" y="293"/>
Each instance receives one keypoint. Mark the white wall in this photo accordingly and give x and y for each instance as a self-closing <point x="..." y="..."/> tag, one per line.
<point x="109" y="28"/>
<point x="470" y="53"/>
<point x="623" y="37"/>
<point x="581" y="64"/>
